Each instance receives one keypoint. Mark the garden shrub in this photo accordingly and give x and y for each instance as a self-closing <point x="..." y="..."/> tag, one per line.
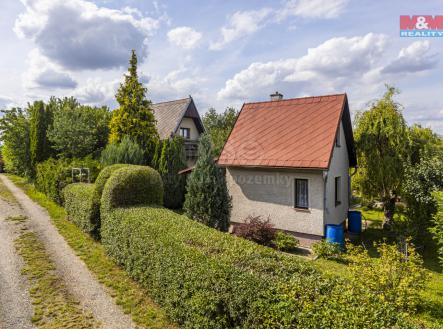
<point x="204" y="278"/>
<point x="53" y="175"/>
<point x="127" y="151"/>
<point x="284" y="241"/>
<point x="257" y="229"/>
<point x="80" y="206"/>
<point x="326" y="249"/>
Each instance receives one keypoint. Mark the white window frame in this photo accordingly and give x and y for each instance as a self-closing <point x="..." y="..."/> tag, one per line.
<point x="188" y="130"/>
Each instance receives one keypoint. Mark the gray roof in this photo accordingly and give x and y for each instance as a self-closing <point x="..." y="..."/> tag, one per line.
<point x="169" y="115"/>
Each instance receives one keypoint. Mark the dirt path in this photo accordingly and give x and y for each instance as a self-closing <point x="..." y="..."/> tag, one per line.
<point x="15" y="304"/>
<point x="78" y="279"/>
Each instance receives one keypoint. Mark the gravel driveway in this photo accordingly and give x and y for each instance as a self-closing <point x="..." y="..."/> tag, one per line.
<point x="80" y="282"/>
<point x="15" y="305"/>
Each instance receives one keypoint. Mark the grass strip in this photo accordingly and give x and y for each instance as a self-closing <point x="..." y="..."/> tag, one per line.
<point x="54" y="307"/>
<point x="129" y="295"/>
<point x="6" y="194"/>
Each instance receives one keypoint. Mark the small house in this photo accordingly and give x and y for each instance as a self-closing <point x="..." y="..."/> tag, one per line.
<point x="289" y="160"/>
<point x="180" y="117"/>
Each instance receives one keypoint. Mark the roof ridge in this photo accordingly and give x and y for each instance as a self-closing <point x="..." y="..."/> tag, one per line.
<point x="291" y="99"/>
<point x="175" y="100"/>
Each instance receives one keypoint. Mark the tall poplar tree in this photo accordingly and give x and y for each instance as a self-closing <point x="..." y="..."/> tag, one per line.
<point x="39" y="120"/>
<point x="135" y="117"/>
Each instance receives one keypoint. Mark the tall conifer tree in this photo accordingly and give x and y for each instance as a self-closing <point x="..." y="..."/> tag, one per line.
<point x="135" y="117"/>
<point x="207" y="199"/>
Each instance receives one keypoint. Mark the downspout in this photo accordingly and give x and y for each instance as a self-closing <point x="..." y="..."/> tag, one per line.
<point x="325" y="211"/>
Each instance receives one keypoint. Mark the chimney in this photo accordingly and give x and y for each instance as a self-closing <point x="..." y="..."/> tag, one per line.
<point x="276" y="96"/>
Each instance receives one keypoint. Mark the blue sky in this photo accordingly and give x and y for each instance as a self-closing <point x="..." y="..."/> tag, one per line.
<point x="223" y="53"/>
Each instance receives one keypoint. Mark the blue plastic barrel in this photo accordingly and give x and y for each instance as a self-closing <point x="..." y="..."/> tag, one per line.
<point x="335" y="234"/>
<point x="354" y="221"/>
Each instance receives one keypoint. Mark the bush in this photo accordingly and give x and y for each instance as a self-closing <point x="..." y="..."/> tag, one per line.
<point x="126" y="151"/>
<point x="257" y="229"/>
<point x="285" y="242"/>
<point x="131" y="186"/>
<point x="326" y="249"/>
<point x="80" y="206"/>
<point x="53" y="175"/>
<point x="204" y="278"/>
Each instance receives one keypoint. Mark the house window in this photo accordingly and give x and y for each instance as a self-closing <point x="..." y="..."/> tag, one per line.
<point x="185" y="133"/>
<point x="337" y="191"/>
<point x="337" y="139"/>
<point x="301" y="193"/>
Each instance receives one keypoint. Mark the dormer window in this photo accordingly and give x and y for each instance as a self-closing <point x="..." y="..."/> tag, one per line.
<point x="185" y="133"/>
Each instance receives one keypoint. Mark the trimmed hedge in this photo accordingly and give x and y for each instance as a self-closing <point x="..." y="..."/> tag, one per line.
<point x="80" y="206"/>
<point x="53" y="175"/>
<point x="204" y="278"/>
<point x="131" y="186"/>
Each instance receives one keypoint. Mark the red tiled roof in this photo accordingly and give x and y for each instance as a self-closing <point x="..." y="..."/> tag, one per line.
<point x="293" y="133"/>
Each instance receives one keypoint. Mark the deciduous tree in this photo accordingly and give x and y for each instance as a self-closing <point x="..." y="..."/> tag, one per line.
<point x="219" y="126"/>
<point x="381" y="137"/>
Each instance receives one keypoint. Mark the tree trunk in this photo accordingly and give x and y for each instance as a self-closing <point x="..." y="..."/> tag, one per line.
<point x="389" y="209"/>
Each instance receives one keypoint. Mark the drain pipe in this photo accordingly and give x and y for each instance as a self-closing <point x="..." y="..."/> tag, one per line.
<point x="325" y="211"/>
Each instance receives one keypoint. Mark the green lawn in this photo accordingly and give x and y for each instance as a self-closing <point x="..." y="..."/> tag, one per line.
<point x="129" y="295"/>
<point x="431" y="310"/>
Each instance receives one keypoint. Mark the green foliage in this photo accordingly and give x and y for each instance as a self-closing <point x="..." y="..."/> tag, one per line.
<point x="80" y="207"/>
<point x="126" y="151"/>
<point x="207" y="199"/>
<point x="14" y="134"/>
<point x="40" y="119"/>
<point x="394" y="278"/>
<point x="78" y="130"/>
<point x="157" y="155"/>
<point x="381" y="138"/>
<point x="326" y="249"/>
<point x="285" y="242"/>
<point x="424" y="143"/>
<point x="421" y="180"/>
<point x="437" y="228"/>
<point x="53" y="175"/>
<point x="132" y="185"/>
<point x="172" y="160"/>
<point x="134" y="117"/>
<point x="219" y="126"/>
<point x="204" y="278"/>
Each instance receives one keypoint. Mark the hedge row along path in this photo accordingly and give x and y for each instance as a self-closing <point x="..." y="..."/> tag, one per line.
<point x="91" y="295"/>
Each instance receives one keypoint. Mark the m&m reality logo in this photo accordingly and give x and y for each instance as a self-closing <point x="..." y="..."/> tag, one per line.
<point x="421" y="26"/>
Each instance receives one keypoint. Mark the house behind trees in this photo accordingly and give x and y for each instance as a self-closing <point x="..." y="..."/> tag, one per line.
<point x="180" y="117"/>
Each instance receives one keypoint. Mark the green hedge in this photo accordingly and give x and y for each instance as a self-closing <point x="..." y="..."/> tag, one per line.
<point x="204" y="278"/>
<point x="53" y="175"/>
<point x="80" y="206"/>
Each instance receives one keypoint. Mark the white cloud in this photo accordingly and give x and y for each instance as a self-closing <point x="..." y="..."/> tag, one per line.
<point x="243" y="23"/>
<point x="326" y="67"/>
<point x="176" y="84"/>
<point x="97" y="92"/>
<point x="184" y="37"/>
<point x="43" y="74"/>
<point x="78" y="34"/>
<point x="312" y="8"/>
<point x="414" y="58"/>
<point x="240" y="24"/>
<point x="6" y="102"/>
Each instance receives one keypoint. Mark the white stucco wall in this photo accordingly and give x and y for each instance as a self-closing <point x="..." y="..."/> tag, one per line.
<point x="271" y="193"/>
<point x="339" y="167"/>
<point x="189" y="123"/>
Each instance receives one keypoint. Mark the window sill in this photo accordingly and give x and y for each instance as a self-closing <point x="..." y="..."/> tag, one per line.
<point x="337" y="203"/>
<point x="307" y="210"/>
